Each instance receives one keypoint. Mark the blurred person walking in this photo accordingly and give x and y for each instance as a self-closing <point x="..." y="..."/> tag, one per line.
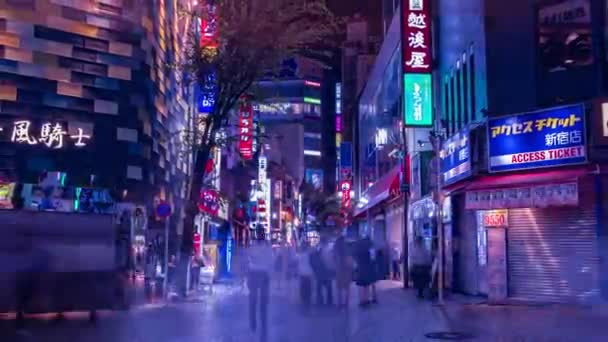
<point x="365" y="270"/>
<point x="305" y="273"/>
<point x="260" y="266"/>
<point x="421" y="266"/>
<point x="396" y="259"/>
<point x="344" y="271"/>
<point x="323" y="276"/>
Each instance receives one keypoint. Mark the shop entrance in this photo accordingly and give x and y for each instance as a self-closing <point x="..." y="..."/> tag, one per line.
<point x="492" y="253"/>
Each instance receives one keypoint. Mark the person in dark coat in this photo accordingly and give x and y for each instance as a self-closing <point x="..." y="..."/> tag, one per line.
<point x="323" y="276"/>
<point x="365" y="271"/>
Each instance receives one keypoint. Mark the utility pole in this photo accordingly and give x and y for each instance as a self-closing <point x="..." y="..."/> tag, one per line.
<point x="405" y="189"/>
<point x="439" y="212"/>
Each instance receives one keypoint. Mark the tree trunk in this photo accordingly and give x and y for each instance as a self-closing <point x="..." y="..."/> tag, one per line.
<point x="198" y="174"/>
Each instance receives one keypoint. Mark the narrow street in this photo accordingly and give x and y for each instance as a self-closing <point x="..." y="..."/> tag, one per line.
<point x="222" y="317"/>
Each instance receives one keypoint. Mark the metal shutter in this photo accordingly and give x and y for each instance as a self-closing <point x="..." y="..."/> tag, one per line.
<point x="552" y="253"/>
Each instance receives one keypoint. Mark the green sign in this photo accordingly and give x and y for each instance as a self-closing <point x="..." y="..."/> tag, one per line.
<point x="418" y="100"/>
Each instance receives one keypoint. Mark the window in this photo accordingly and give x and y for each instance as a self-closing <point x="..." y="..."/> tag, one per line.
<point x="458" y="95"/>
<point x="472" y="77"/>
<point x="465" y="91"/>
<point x="452" y="105"/>
<point x="447" y="109"/>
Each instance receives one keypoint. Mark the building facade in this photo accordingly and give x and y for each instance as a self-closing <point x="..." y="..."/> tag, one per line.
<point x="524" y="211"/>
<point x="518" y="142"/>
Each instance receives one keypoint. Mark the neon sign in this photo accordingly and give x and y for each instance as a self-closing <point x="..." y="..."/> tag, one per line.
<point x="53" y="135"/>
<point x="417" y="62"/>
<point x="246" y="131"/>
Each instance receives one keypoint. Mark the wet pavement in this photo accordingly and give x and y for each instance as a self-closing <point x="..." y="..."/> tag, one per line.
<point x="221" y="316"/>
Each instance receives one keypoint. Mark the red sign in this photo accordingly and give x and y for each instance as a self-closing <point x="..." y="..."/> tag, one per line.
<point x="345" y="189"/>
<point x="416" y="21"/>
<point x="246" y="131"/>
<point x="496" y="218"/>
<point x="209" y="202"/>
<point x="196" y="240"/>
<point x="209" y="33"/>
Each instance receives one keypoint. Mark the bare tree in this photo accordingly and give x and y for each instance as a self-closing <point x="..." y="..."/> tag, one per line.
<point x="250" y="41"/>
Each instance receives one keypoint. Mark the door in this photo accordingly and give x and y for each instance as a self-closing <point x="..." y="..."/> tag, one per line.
<point x="497" y="264"/>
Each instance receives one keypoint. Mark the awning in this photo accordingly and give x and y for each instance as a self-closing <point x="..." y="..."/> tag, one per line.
<point x="498" y="181"/>
<point x="380" y="191"/>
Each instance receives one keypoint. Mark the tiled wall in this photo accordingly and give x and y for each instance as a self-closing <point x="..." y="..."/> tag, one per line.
<point x="101" y="62"/>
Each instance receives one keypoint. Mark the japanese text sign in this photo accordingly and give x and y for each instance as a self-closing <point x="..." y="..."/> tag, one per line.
<point x="416" y="36"/>
<point x="209" y="29"/>
<point x="49" y="134"/>
<point x="418" y="100"/>
<point x="455" y="158"/>
<point x="206" y="93"/>
<point x="246" y="131"/>
<point x="547" y="138"/>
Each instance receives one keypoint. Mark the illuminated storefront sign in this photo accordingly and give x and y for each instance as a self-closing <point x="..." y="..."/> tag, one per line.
<point x="209" y="27"/>
<point x="417" y="63"/>
<point x="246" y="131"/>
<point x="53" y="135"/>
<point x="345" y="190"/>
<point x="209" y="39"/>
<point x="418" y="95"/>
<point x="312" y="84"/>
<point x="498" y="218"/>
<point x="338" y="98"/>
<point x="416" y="21"/>
<point x="312" y="100"/>
<point x="547" y="138"/>
<point x="456" y="158"/>
<point x="539" y="196"/>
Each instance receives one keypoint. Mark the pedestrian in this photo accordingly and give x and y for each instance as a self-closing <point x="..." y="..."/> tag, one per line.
<point x="365" y="275"/>
<point x="344" y="271"/>
<point x="305" y="274"/>
<point x="260" y="266"/>
<point x="421" y="266"/>
<point x="197" y="264"/>
<point x="396" y="263"/>
<point x="279" y="266"/>
<point x="322" y="276"/>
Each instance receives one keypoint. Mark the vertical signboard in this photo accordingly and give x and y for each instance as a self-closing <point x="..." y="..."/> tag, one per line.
<point x="246" y="131"/>
<point x="418" y="100"/>
<point x="209" y="40"/>
<point x="346" y="157"/>
<point x="209" y="29"/>
<point x="455" y="158"/>
<point x="417" y="63"/>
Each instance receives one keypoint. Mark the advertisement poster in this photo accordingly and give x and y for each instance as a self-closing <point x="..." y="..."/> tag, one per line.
<point x="472" y="200"/>
<point x="564" y="35"/>
<point x="314" y="177"/>
<point x="524" y="198"/>
<point x="547" y="138"/>
<point x="455" y="158"/>
<point x="485" y="200"/>
<point x="511" y="198"/>
<point x="570" y="193"/>
<point x="539" y="196"/>
<point x="6" y="195"/>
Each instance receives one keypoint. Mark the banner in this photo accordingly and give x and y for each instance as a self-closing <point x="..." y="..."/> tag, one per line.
<point x="455" y="158"/>
<point x="547" y="138"/>
<point x="417" y="63"/>
<point x="246" y="131"/>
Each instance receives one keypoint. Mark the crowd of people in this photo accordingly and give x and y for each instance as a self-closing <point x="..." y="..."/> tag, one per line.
<point x="321" y="268"/>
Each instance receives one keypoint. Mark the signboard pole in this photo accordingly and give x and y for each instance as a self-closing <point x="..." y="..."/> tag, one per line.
<point x="406" y="199"/>
<point x="166" y="263"/>
<point x="439" y="217"/>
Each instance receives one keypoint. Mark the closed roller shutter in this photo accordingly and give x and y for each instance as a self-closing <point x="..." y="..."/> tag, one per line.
<point x="552" y="253"/>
